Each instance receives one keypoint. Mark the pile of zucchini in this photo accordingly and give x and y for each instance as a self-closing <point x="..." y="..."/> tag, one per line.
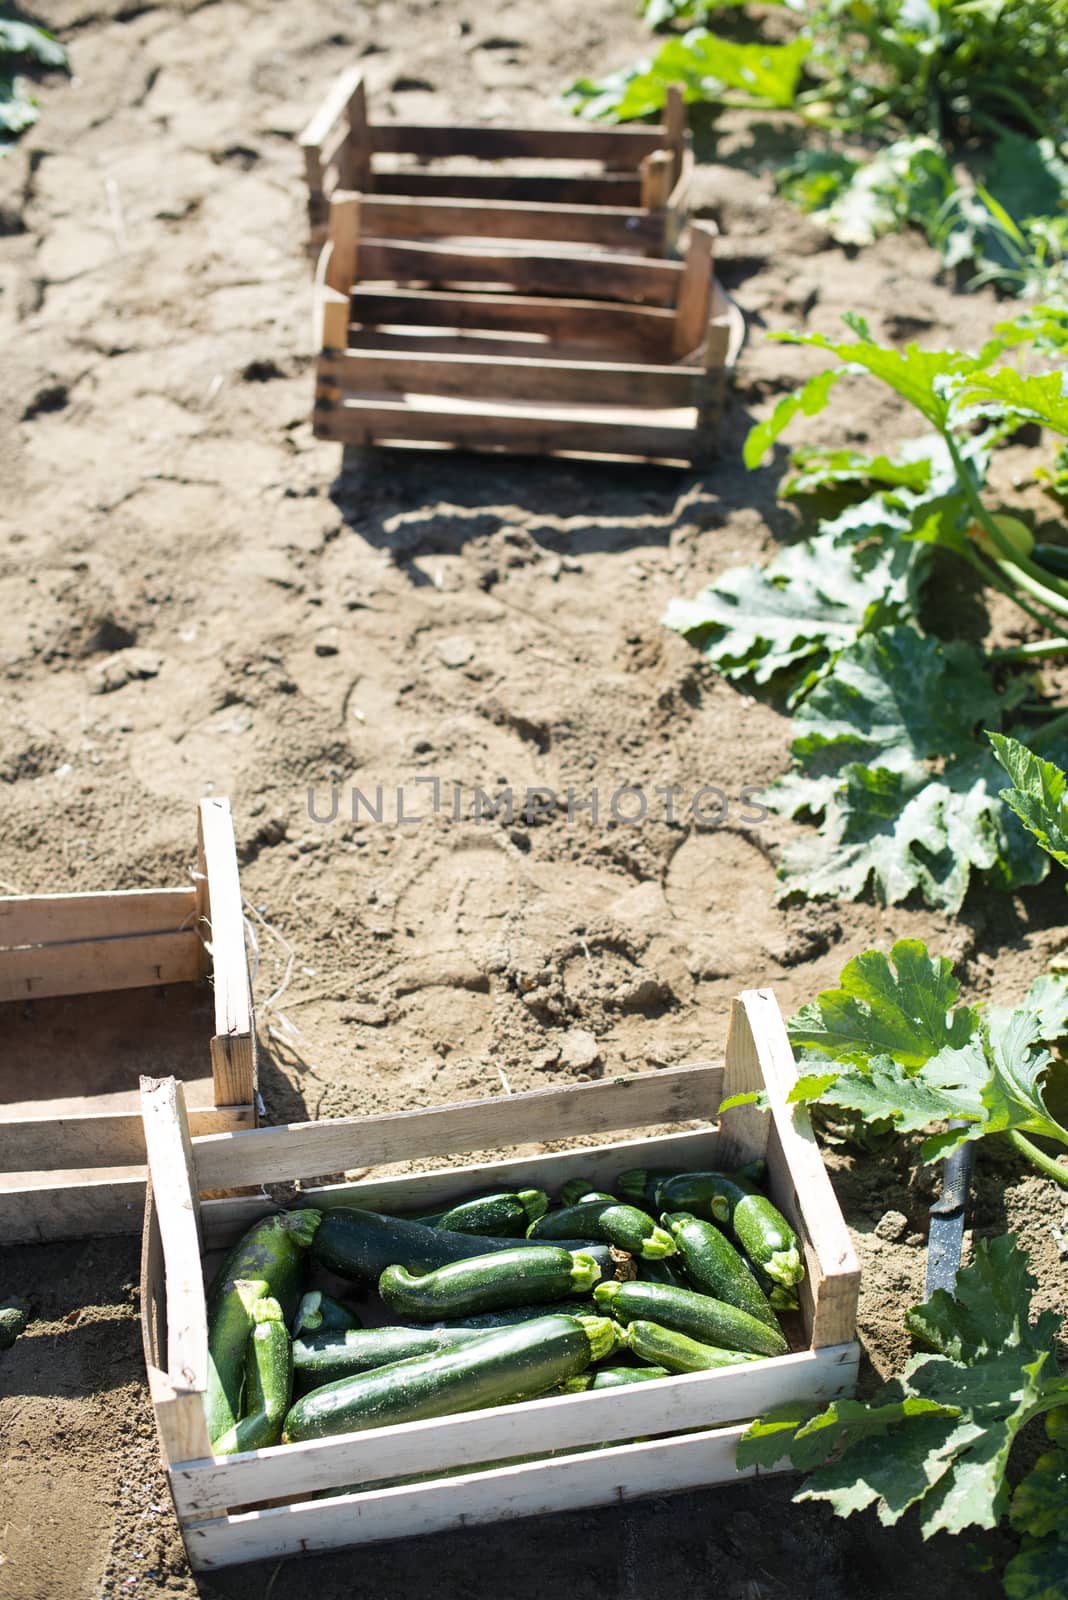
<point x="496" y="1300"/>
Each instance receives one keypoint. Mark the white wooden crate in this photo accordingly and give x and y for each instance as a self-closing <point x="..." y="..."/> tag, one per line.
<point x="262" y="1504"/>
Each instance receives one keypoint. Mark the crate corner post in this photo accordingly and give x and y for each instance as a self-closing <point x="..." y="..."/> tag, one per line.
<point x="233" y="1046"/>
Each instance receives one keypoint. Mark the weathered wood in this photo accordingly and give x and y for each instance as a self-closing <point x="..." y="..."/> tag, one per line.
<point x="657" y="172"/>
<point x="636" y="279"/>
<point x="332" y="108"/>
<point x="620" y="328"/>
<point x="799" y="1183"/>
<point x="233" y="1049"/>
<point x="370" y="372"/>
<point x="697" y="1400"/>
<point x="85" y="965"/>
<point x="177" y="1209"/>
<point x="63" y="918"/>
<point x="93" y="1139"/>
<point x="335" y="319"/>
<point x="617" y="228"/>
<point x="577" y="143"/>
<point x="356" y="165"/>
<point x="675" y="132"/>
<point x="744" y="1129"/>
<point x="602" y="189"/>
<point x="695" y="291"/>
<point x="345" y="231"/>
<point x="308" y="1149"/>
<point x="492" y="427"/>
<point x="76" y="1203"/>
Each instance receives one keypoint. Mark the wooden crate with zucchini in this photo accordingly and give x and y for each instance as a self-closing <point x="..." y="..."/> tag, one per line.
<point x="94" y="989"/>
<point x="488" y="1381"/>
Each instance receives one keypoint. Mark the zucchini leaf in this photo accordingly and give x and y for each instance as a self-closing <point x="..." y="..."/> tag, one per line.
<point x="708" y="68"/>
<point x="1041" y="398"/>
<point x="21" y="41"/>
<point x="938" y="1437"/>
<point x="1037" y="795"/>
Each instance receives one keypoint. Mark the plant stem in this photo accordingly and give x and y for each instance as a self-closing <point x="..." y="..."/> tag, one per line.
<point x="1047" y="733"/>
<point x="1030" y="652"/>
<point x="1038" y="1158"/>
<point x="992" y="575"/>
<point x="1028" y="574"/>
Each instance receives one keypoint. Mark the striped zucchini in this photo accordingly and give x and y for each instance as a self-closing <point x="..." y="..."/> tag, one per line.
<point x="229" y="1329"/>
<point x="487" y="1283"/>
<point x="504" y="1216"/>
<point x="612" y="1378"/>
<point x="621" y="1225"/>
<point x="495" y="1369"/>
<point x="323" y="1358"/>
<point x="698" y="1315"/>
<point x="714" y="1266"/>
<point x="762" y="1231"/>
<point x="360" y="1245"/>
<point x="678" y="1352"/>
<point x="269" y="1384"/>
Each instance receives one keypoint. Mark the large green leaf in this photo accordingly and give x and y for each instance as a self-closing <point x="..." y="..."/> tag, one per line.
<point x="706" y="66"/>
<point x="796" y="613"/>
<point x="1041" y="398"/>
<point x="1037" y="795"/>
<point x="948" y="1454"/>
<point x="902" y="1007"/>
<point x="23" y="42"/>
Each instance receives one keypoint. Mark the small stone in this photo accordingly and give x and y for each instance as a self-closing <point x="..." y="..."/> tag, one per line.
<point x="455" y="651"/>
<point x="366" y="1016"/>
<point x="891" y="1225"/>
<point x="123" y="668"/>
<point x="916" y="1241"/>
<point x="327" y="645"/>
<point x="579" y="1050"/>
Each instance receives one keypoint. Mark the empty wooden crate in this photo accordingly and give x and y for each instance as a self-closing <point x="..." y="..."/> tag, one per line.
<point x="619" y="170"/>
<point x="270" y="1503"/>
<point x="95" y="989"/>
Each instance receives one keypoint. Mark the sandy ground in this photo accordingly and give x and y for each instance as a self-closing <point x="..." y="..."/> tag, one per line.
<point x="484" y="622"/>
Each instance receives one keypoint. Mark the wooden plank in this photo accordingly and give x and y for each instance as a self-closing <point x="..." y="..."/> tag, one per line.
<point x="800" y="1186"/>
<point x="95" y="1139"/>
<point x="617" y="228"/>
<point x="356" y="167"/>
<point x="85" y="966"/>
<point x="605" y="189"/>
<point x="744" y="1129"/>
<point x="617" y="145"/>
<point x="177" y="1203"/>
<point x="607" y="277"/>
<point x="657" y="171"/>
<point x="225" y="1220"/>
<point x="57" y="918"/>
<point x="647" y="329"/>
<point x="695" y="291"/>
<point x="526" y="431"/>
<point x="603" y="1477"/>
<point x="566" y="1422"/>
<point x="38" y="1207"/>
<point x="233" y="1050"/>
<point x="370" y="372"/>
<point x="346" y="227"/>
<point x="181" y="1426"/>
<point x="308" y="1149"/>
<point x="335" y="318"/>
<point x="332" y="109"/>
<point x="675" y="133"/>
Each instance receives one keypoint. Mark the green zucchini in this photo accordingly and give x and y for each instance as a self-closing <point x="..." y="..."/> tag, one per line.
<point x="667" y="1270"/>
<point x="641" y="1184"/>
<point x="504" y="1216"/>
<point x="229" y="1328"/>
<point x="699" y="1193"/>
<point x="684" y="1310"/>
<point x="273" y="1250"/>
<point x="714" y="1266"/>
<point x="487" y="1283"/>
<point x="624" y="1226"/>
<point x="611" y="1378"/>
<point x="321" y="1313"/>
<point x="360" y="1245"/>
<point x="268" y="1386"/>
<point x="779" y="1297"/>
<point x="578" y="1189"/>
<point x="14" y="1315"/>
<point x="763" y="1233"/>
<point x="678" y="1352"/>
<point x="1054" y="557"/>
<point x="513" y="1314"/>
<point x="495" y="1369"/>
<point x="322" y="1358"/>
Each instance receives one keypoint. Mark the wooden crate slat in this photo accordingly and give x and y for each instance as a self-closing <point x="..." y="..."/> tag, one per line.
<point x="562" y="321"/>
<point x="332" y="108"/>
<point x="371" y="372"/>
<point x="40" y="1146"/>
<point x="636" y="279"/>
<point x="36" y="1207"/>
<point x="620" y="146"/>
<point x="62" y="918"/>
<point x="604" y="189"/>
<point x="308" y="1149"/>
<point x="617" y="228"/>
<point x="233" y="1050"/>
<point x="675" y="1404"/>
<point x="488" y="427"/>
<point x="170" y="1164"/>
<point x="224" y="1220"/>
<point x="85" y="965"/>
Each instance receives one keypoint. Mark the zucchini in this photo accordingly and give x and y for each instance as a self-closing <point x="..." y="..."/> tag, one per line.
<point x="678" y="1352"/>
<point x="779" y="1297"/>
<point x="508" y="1318"/>
<point x="360" y="1245"/>
<point x="269" y="1384"/>
<point x="272" y="1250"/>
<point x="325" y="1357"/>
<point x="321" y="1313"/>
<point x="487" y="1283"/>
<point x="763" y="1233"/>
<point x="230" y="1325"/>
<point x="667" y="1270"/>
<point x="504" y="1216"/>
<point x="495" y="1369"/>
<point x="624" y="1226"/>
<point x="640" y="1184"/>
<point x="578" y="1189"/>
<point x="14" y="1315"/>
<point x="699" y="1193"/>
<point x="698" y="1315"/>
<point x="714" y="1266"/>
<point x="1054" y="557"/>
<point x="611" y="1378"/>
